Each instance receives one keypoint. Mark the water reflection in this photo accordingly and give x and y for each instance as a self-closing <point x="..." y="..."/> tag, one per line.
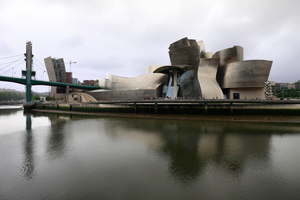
<point x="190" y="146"/>
<point x="28" y="122"/>
<point x="56" y="146"/>
<point x="28" y="167"/>
<point x="8" y="112"/>
<point x="181" y="150"/>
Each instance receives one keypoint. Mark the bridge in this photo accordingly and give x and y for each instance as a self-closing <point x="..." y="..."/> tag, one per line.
<point x="28" y="81"/>
<point x="48" y="83"/>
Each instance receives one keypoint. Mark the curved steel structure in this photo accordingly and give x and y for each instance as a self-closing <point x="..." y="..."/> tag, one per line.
<point x="229" y="55"/>
<point x="147" y="81"/>
<point x="120" y="88"/>
<point x="202" y="49"/>
<point x="185" y="52"/>
<point x="244" y="74"/>
<point x="189" y="84"/>
<point x="207" y="72"/>
<point x="167" y="68"/>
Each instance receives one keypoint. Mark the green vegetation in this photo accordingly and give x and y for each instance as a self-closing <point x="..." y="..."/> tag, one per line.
<point x="48" y="98"/>
<point x="36" y="97"/>
<point x="9" y="96"/>
<point x="290" y="93"/>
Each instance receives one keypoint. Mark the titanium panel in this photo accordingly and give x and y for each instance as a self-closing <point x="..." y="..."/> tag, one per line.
<point x="236" y="53"/>
<point x="185" y="52"/>
<point x="207" y="72"/>
<point x="185" y="56"/>
<point x="189" y="84"/>
<point x="202" y="49"/>
<point x="184" y="42"/>
<point x="249" y="73"/>
<point x="147" y="81"/>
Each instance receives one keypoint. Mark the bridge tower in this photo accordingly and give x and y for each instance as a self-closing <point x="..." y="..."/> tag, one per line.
<point x="28" y="60"/>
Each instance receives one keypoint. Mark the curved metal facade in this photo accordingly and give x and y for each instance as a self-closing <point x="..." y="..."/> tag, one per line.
<point x="147" y="81"/>
<point x="229" y="55"/>
<point x="120" y="88"/>
<point x="189" y="84"/>
<point x="243" y="74"/>
<point x="207" y="72"/>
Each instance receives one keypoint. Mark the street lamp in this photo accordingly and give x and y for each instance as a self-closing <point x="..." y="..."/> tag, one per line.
<point x="282" y="94"/>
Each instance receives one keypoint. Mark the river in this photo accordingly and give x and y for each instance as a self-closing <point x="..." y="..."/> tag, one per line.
<point x="54" y="156"/>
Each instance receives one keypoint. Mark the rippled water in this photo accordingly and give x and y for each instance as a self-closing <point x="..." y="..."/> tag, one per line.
<point x="71" y="157"/>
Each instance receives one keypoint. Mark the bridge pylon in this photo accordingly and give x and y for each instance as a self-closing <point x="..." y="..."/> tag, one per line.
<point x="28" y="60"/>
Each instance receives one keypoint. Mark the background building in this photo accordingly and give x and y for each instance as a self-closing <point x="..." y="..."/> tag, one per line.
<point x="91" y="82"/>
<point x="69" y="78"/>
<point x="57" y="73"/>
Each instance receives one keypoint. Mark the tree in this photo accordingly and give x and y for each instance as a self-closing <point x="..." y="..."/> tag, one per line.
<point x="36" y="97"/>
<point x="290" y="93"/>
<point x="8" y="96"/>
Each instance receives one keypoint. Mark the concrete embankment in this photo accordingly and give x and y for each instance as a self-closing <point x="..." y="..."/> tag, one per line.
<point x="238" y="118"/>
<point x="250" y="111"/>
<point x="194" y="107"/>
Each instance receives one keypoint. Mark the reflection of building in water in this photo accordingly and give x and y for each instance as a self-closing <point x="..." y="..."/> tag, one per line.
<point x="57" y="138"/>
<point x="190" y="147"/>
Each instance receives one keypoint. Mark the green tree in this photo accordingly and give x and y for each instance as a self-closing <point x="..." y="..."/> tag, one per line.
<point x="36" y="97"/>
<point x="8" y="96"/>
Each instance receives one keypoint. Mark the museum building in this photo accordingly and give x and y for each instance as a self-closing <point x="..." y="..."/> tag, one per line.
<point x="193" y="73"/>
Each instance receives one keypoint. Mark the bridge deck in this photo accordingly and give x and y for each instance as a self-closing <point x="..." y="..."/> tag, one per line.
<point x="38" y="82"/>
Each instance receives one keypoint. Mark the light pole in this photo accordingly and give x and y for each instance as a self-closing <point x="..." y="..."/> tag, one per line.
<point x="282" y="94"/>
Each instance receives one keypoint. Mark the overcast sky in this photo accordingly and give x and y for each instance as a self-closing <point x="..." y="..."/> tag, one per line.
<point x="123" y="37"/>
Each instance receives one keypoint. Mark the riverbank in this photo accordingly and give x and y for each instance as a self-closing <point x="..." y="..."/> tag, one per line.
<point x="239" y="118"/>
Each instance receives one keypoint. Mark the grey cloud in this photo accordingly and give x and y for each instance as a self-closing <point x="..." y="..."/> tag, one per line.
<point x="6" y="49"/>
<point x="73" y="42"/>
<point x="123" y="37"/>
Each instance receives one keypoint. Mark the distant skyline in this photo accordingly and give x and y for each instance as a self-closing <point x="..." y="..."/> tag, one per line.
<point x="124" y="37"/>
